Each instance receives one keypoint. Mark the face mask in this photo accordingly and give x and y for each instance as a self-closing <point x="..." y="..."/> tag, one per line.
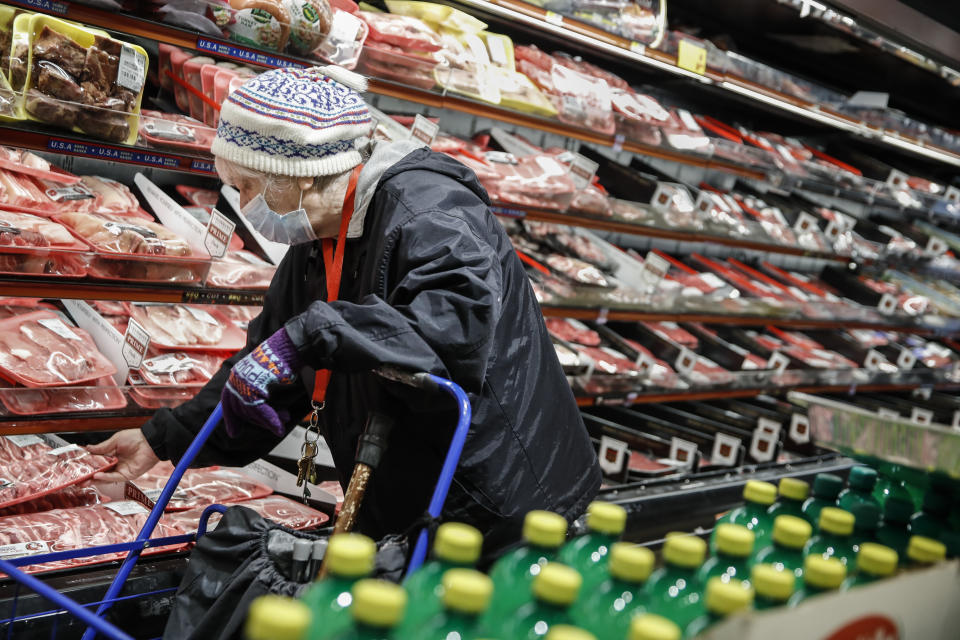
<point x="289" y="228"/>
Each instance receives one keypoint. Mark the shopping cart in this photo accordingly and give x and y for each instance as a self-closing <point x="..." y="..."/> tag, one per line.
<point x="94" y="619"/>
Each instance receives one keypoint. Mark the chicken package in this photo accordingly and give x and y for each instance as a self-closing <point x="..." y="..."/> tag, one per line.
<point x="181" y="326"/>
<point x="241" y="270"/>
<point x="39" y="349"/>
<point x="79" y="528"/>
<point x="175" y="131"/>
<point x="66" y="498"/>
<point x="180" y="369"/>
<point x="200" y="487"/>
<point x="278" y="509"/>
<point x="26" y="242"/>
<point x="101" y="395"/>
<point x="33" y="466"/>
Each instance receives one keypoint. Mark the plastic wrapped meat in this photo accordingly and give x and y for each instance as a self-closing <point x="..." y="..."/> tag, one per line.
<point x="533" y="181"/>
<point x="119" y="234"/>
<point x="198" y="196"/>
<point x="584" y="248"/>
<point x="683" y="133"/>
<point x="200" y="487"/>
<point x="103" y="395"/>
<point x="400" y="31"/>
<point x="393" y="63"/>
<point x="180" y="369"/>
<point x="10" y="307"/>
<point x="573" y="331"/>
<point x="632" y="211"/>
<point x="581" y="100"/>
<point x="175" y="131"/>
<point x="708" y="372"/>
<point x="68" y="498"/>
<point x="577" y="270"/>
<point x="279" y="509"/>
<point x="33" y="467"/>
<point x="592" y="202"/>
<point x="609" y="361"/>
<point x="241" y="270"/>
<point x="569" y="360"/>
<point x="579" y="64"/>
<point x="115" y="198"/>
<point x="19" y="191"/>
<point x="39" y="349"/>
<point x="26" y="230"/>
<point x="178" y="325"/>
<point x="639" y="116"/>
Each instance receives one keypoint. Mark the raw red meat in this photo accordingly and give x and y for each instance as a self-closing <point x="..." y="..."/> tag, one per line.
<point x="103" y="395"/>
<point x="592" y="202"/>
<point x="609" y="361"/>
<point x="241" y="270"/>
<point x="200" y="487"/>
<point x="400" y="31"/>
<point x="572" y="331"/>
<point x="180" y="369"/>
<point x="281" y="510"/>
<point x="179" y="325"/>
<point x="32" y="468"/>
<point x="114" y="197"/>
<point x="673" y="332"/>
<point x="533" y="55"/>
<point x="10" y="307"/>
<point x="123" y="234"/>
<point x="533" y="181"/>
<point x="75" y="496"/>
<point x="577" y="270"/>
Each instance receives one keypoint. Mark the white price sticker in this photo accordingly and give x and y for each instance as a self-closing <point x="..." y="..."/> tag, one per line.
<point x="873" y="360"/>
<point x="712" y="280"/>
<point x="898" y="179"/>
<point x="921" y="392"/>
<point x="725" y="449"/>
<point x="21" y="549"/>
<point x="763" y="444"/>
<point x="201" y="315"/>
<point x="906" y="360"/>
<point x="169" y="130"/>
<point x="832" y="231"/>
<point x="126" y="507"/>
<point x="685" y="362"/>
<point x="550" y="166"/>
<point x="132" y="70"/>
<point x="888" y="304"/>
<point x="582" y="170"/>
<point x="921" y="416"/>
<point x="952" y="194"/>
<point x="655" y="268"/>
<point x="424" y="130"/>
<point x="936" y="246"/>
<point x="805" y="222"/>
<point x="638" y="48"/>
<point x="688" y="120"/>
<point x="662" y="196"/>
<point x="799" y="428"/>
<point x="58" y="327"/>
<point x="613" y="455"/>
<point x="219" y="232"/>
<point x="136" y="341"/>
<point x="683" y="451"/>
<point x="24" y="441"/>
<point x="345" y="27"/>
<point x="73" y="192"/>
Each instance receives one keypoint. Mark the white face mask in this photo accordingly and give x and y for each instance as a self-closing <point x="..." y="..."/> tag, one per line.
<point x="288" y="228"/>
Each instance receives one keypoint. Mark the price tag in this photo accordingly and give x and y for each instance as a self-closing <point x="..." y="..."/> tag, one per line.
<point x="888" y="414"/>
<point x="498" y="50"/>
<point x="219" y="231"/>
<point x="921" y="416"/>
<point x="683" y="451"/>
<point x="769" y="426"/>
<point x="685" y="362"/>
<point x="873" y="360"/>
<point x="763" y="444"/>
<point x="704" y="203"/>
<point x="643" y="364"/>
<point x="778" y="362"/>
<point x="582" y="170"/>
<point x="73" y="192"/>
<point x="799" y="428"/>
<point x="612" y="455"/>
<point x="24" y="441"/>
<point x="691" y="57"/>
<point x="550" y="166"/>
<point x="345" y="27"/>
<point x="654" y="269"/>
<point x="688" y="120"/>
<point x="136" y="341"/>
<point x="424" y="130"/>
<point x="898" y="179"/>
<point x="921" y="392"/>
<point x="888" y="304"/>
<point x="58" y="327"/>
<point x="21" y="549"/>
<point x="832" y="231"/>
<point x="553" y="17"/>
<point x="936" y="246"/>
<point x="952" y="194"/>
<point x="132" y="70"/>
<point x="805" y="222"/>
<point x="126" y="507"/>
<point x="618" y="141"/>
<point x="725" y="449"/>
<point x="638" y="48"/>
<point x="662" y="196"/>
<point x="906" y="360"/>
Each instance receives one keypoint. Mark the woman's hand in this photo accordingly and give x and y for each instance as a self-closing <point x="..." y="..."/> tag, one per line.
<point x="246" y="396"/>
<point x="135" y="456"/>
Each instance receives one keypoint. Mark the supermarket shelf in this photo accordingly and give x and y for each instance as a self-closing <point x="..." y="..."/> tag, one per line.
<point x="94" y="422"/>
<point x="25" y="286"/>
<point x="607" y="224"/>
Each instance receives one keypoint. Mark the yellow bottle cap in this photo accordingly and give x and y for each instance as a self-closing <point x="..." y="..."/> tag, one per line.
<point x="606" y="517"/>
<point x="791" y="531"/>
<point x="378" y="603"/>
<point x="684" y="550"/>
<point x="794" y="489"/>
<point x="653" y="627"/>
<point x="350" y="555"/>
<point x="457" y="543"/>
<point x="876" y="559"/>
<point x="276" y="618"/>
<point x="823" y="573"/>
<point x="725" y="598"/>
<point x="557" y="584"/>
<point x="566" y="632"/>
<point x="836" y="521"/>
<point x="734" y="540"/>
<point x="466" y="590"/>
<point x="926" y="550"/>
<point x="630" y="562"/>
<point x="759" y="492"/>
<point x="544" y="529"/>
<point x="772" y="583"/>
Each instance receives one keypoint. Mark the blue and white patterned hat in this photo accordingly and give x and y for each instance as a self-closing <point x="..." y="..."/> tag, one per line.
<point x="295" y="122"/>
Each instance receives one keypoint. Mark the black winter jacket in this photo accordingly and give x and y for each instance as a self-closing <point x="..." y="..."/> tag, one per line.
<point x="432" y="284"/>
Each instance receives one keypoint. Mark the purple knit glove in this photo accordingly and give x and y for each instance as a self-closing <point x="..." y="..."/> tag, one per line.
<point x="246" y="396"/>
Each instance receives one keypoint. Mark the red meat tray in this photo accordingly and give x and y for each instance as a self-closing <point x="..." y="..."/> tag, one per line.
<point x="101" y="396"/>
<point x="279" y="509"/>
<point x="183" y="327"/>
<point x="201" y="487"/>
<point x="38" y="246"/>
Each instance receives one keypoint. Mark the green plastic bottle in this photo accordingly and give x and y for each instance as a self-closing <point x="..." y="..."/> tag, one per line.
<point x="588" y="554"/>
<point x="723" y="599"/>
<point x="923" y="551"/>
<point x="673" y="590"/>
<point x="349" y="558"/>
<point x="894" y="531"/>
<point x="866" y="520"/>
<point x="772" y="587"/>
<point x="555" y="589"/>
<point x="793" y="492"/>
<point x="543" y="533"/>
<point x="607" y="610"/>
<point x="790" y="536"/>
<point x="860" y="484"/>
<point x="466" y="596"/>
<point x="732" y="559"/>
<point x="273" y="617"/>
<point x="826" y="488"/>
<point x="649" y="626"/>
<point x="931" y="520"/>
<point x="889" y="485"/>
<point x="757" y="496"/>
<point x="819" y="576"/>
<point x="834" y="538"/>
<point x="456" y="545"/>
<point x="377" y="610"/>
<point x="566" y="632"/>
<point x="874" y="562"/>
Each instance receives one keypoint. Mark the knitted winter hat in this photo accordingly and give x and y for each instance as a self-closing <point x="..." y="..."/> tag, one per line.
<point x="295" y="122"/>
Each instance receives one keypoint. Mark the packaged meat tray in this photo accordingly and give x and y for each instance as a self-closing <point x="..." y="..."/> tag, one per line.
<point x="175" y="131"/>
<point x="103" y="395"/>
<point x="187" y="327"/>
<point x="40" y="350"/>
<point x="34" y="466"/>
<point x="149" y="396"/>
<point x="38" y="246"/>
<point x="239" y="315"/>
<point x="79" y="528"/>
<point x="518" y="92"/>
<point x="405" y="32"/>
<point x="80" y="79"/>
<point x="200" y="487"/>
<point x="638" y="116"/>
<point x="198" y="196"/>
<point x="533" y="181"/>
<point x="28" y="163"/>
<point x="241" y="270"/>
<point x="10" y="307"/>
<point x="581" y="100"/>
<point x="180" y="369"/>
<point x="112" y="198"/>
<point x="573" y="331"/>
<point x="342" y="45"/>
<point x="67" y="498"/>
<point x="135" y="249"/>
<point x="392" y="63"/>
<point x="609" y="361"/>
<point x="279" y="509"/>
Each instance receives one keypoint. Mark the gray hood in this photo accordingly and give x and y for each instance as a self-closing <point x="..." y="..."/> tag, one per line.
<point x="385" y="155"/>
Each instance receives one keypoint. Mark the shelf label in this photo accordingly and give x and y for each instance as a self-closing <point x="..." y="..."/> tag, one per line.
<point x="906" y="360"/>
<point x="683" y="451"/>
<point x="582" y="170"/>
<point x="805" y="222"/>
<point x="778" y="362"/>
<point x="638" y="48"/>
<point x="888" y="304"/>
<point x="424" y="130"/>
<point x="936" y="246"/>
<point x="613" y="454"/>
<point x="873" y="360"/>
<point x="21" y="549"/>
<point x="49" y="6"/>
<point x="691" y="57"/>
<point x="725" y="449"/>
<point x="799" y="428"/>
<point x="553" y="17"/>
<point x="685" y="362"/>
<point x="653" y="271"/>
<point x="203" y="166"/>
<point x="116" y="154"/>
<point x="921" y="416"/>
<point x="763" y="444"/>
<point x="245" y="55"/>
<point x="952" y="194"/>
<point x="219" y="231"/>
<point x="136" y="341"/>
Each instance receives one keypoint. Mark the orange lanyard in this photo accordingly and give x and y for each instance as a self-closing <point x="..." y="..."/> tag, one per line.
<point x="333" y="265"/>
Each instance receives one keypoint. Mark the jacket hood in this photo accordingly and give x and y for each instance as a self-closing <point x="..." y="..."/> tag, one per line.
<point x="390" y="159"/>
